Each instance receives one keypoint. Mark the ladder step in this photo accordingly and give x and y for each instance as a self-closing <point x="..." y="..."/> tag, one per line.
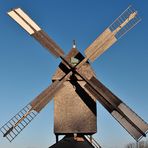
<point x="122" y="18"/>
<point x="16" y="124"/>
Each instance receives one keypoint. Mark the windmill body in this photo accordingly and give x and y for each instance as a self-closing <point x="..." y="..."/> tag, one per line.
<point x="74" y="106"/>
<point x="75" y="88"/>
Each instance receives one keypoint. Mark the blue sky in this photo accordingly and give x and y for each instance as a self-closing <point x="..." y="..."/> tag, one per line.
<point x="26" y="67"/>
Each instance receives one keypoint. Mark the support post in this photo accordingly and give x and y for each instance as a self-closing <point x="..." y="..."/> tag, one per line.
<point x="91" y="139"/>
<point x="57" y="138"/>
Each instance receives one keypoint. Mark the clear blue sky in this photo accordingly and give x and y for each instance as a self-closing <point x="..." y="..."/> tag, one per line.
<point x="26" y="67"/>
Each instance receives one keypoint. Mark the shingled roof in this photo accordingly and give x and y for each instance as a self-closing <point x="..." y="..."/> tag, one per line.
<point x="69" y="142"/>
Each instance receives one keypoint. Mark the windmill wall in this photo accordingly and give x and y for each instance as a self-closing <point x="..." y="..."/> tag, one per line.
<point x="74" y="106"/>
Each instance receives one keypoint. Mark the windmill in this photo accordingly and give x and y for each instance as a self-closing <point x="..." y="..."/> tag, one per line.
<point x="75" y="88"/>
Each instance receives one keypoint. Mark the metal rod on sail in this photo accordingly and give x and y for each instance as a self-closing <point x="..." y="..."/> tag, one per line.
<point x="131" y="16"/>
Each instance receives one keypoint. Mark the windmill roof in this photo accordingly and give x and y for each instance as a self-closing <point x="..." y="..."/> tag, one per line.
<point x="69" y="142"/>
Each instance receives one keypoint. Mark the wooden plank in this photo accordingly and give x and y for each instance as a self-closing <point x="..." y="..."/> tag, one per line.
<point x="127" y="125"/>
<point x="99" y="40"/>
<point x="48" y="43"/>
<point x="135" y="125"/>
<point x="100" y="50"/>
<point x="100" y="45"/>
<point x="42" y="100"/>
<point x="100" y="98"/>
<point x="105" y="92"/>
<point x="134" y="117"/>
<point x="34" y="30"/>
